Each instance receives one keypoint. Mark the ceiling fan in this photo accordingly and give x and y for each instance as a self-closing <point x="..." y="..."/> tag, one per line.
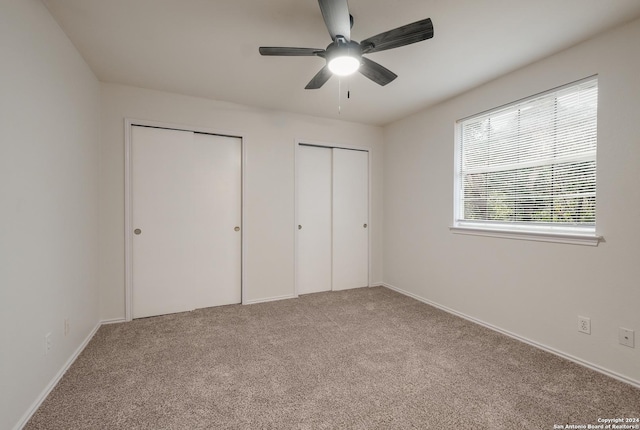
<point x="345" y="56"/>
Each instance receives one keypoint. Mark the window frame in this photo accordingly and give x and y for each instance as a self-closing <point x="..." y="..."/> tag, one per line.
<point x="549" y="232"/>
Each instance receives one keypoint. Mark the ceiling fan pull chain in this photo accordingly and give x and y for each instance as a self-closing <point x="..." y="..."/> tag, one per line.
<point x="339" y="95"/>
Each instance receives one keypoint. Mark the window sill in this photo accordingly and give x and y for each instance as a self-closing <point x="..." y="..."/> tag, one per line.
<point x="568" y="238"/>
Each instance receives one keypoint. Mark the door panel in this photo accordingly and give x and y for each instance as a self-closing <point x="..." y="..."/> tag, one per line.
<point x="314" y="215"/>
<point x="163" y="270"/>
<point x="350" y="219"/>
<point x="217" y="184"/>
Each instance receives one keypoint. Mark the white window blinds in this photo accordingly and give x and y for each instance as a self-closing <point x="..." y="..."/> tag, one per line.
<point x="532" y="163"/>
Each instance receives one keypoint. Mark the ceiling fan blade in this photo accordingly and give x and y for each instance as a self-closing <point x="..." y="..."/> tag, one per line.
<point x="377" y="73"/>
<point x="401" y="36"/>
<point x="336" y="17"/>
<point x="319" y="79"/>
<point x="290" y="52"/>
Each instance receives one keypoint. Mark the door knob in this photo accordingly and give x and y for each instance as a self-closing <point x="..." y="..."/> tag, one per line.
<point x="299" y="227"/>
<point x="365" y="226"/>
<point x="137" y="231"/>
<point x="237" y="228"/>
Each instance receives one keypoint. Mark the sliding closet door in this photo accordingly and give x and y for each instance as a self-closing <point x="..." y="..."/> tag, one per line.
<point x="217" y="183"/>
<point x="333" y="208"/>
<point x="314" y="219"/>
<point x="185" y="208"/>
<point x="163" y="270"/>
<point x="350" y="219"/>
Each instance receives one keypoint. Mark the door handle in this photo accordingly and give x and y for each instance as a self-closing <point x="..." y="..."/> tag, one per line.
<point x="365" y="226"/>
<point x="299" y="227"/>
<point x="137" y="231"/>
<point x="236" y="228"/>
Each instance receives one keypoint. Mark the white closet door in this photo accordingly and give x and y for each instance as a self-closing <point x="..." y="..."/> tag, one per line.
<point x="350" y="219"/>
<point x="183" y="202"/>
<point x="217" y="185"/>
<point x="314" y="216"/>
<point x="163" y="270"/>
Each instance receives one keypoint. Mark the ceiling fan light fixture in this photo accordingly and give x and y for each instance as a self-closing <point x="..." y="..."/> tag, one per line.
<point x="344" y="65"/>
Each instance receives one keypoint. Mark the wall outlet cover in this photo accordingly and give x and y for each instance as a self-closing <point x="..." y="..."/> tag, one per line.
<point x="626" y="337"/>
<point x="584" y="325"/>
<point x="47" y="343"/>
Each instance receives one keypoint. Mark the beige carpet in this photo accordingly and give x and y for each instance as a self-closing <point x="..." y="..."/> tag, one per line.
<point x="363" y="359"/>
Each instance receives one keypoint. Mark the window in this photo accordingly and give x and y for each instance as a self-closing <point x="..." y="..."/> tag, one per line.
<point x="529" y="168"/>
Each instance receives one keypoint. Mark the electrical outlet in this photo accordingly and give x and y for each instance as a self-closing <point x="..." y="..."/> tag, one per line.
<point x="66" y="326"/>
<point x="625" y="337"/>
<point x="47" y="343"/>
<point x="584" y="325"/>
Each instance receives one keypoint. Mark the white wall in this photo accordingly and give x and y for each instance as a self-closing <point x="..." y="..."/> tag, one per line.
<point x="269" y="201"/>
<point x="49" y="132"/>
<point x="533" y="289"/>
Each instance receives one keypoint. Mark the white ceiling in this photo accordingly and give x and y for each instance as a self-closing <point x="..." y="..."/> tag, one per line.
<point x="209" y="48"/>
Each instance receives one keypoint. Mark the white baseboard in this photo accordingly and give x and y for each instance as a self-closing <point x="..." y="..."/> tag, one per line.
<point x="533" y="343"/>
<point x="113" y="321"/>
<point x="43" y="395"/>
<point x="270" y="299"/>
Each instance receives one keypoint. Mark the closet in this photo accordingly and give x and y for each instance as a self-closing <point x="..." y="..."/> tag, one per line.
<point x="186" y="220"/>
<point x="332" y="198"/>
